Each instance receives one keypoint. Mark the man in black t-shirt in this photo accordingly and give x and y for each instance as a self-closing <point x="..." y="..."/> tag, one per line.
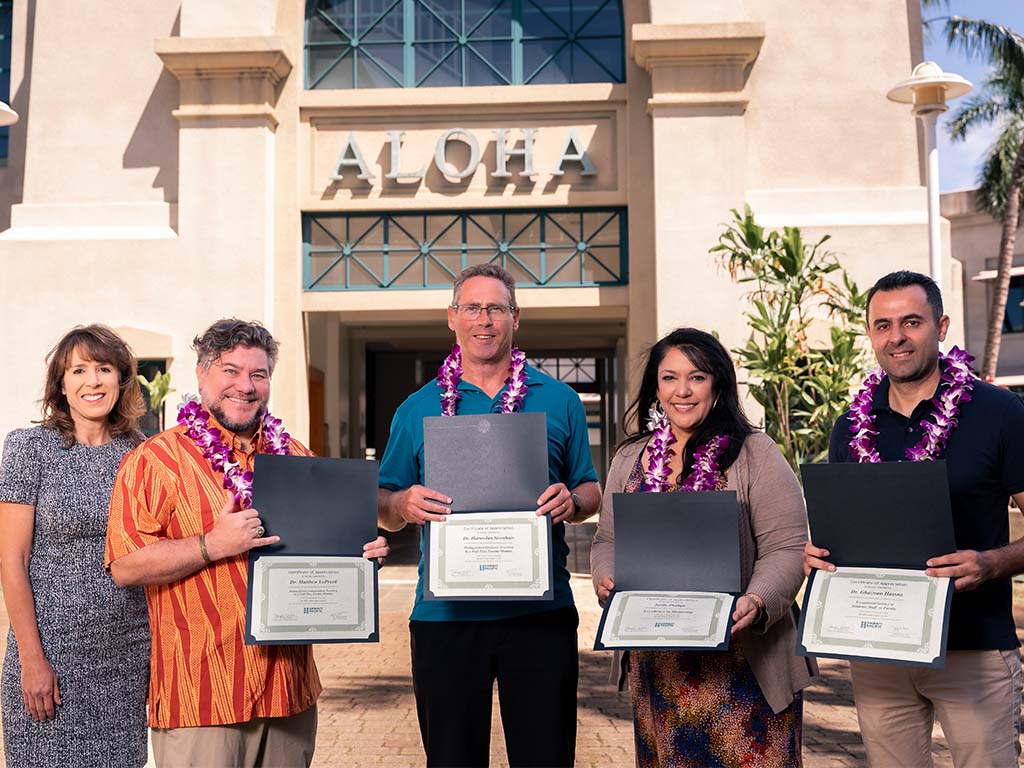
<point x="977" y="696"/>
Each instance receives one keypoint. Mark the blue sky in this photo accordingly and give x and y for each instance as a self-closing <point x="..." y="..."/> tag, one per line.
<point x="960" y="161"/>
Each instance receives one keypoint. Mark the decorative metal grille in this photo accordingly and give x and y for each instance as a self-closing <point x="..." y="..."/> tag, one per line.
<point x="414" y="43"/>
<point x="571" y="370"/>
<point x="563" y="247"/>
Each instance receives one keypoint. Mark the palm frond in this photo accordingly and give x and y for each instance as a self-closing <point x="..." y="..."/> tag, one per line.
<point x="994" y="176"/>
<point x="976" y="110"/>
<point x="987" y="41"/>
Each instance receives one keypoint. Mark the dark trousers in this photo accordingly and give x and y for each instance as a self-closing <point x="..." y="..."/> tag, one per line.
<point x="536" y="663"/>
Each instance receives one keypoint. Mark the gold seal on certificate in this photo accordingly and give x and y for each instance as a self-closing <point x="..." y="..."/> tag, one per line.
<point x="882" y="614"/>
<point x="657" y="620"/>
<point x="313" y="599"/>
<point x="489" y="555"/>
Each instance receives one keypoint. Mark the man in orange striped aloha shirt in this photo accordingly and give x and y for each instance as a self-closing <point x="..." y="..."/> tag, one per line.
<point x="213" y="701"/>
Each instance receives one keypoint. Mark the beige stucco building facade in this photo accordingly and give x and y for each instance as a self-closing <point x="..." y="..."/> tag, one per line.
<point x="975" y="239"/>
<point x="172" y="166"/>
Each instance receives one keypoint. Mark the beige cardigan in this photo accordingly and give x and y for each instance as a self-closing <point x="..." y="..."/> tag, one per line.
<point x="771" y="556"/>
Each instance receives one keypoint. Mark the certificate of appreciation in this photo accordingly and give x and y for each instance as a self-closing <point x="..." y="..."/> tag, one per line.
<point x="489" y="555"/>
<point x="641" y="619"/>
<point x="879" y="614"/>
<point x="313" y="599"/>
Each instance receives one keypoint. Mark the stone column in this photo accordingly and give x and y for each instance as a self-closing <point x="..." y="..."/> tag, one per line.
<point x="697" y="106"/>
<point x="229" y="87"/>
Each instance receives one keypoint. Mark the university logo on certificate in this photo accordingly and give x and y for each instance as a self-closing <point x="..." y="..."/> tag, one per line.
<point x="880" y="523"/>
<point x="677" y="572"/>
<point x="493" y="546"/>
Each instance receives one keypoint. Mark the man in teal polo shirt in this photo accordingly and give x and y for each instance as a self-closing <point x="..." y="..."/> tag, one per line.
<point x="460" y="648"/>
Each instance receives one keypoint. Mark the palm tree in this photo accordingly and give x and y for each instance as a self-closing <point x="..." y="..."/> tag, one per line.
<point x="1000" y="101"/>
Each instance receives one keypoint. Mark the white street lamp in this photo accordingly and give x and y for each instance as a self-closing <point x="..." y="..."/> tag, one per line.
<point x="7" y="115"/>
<point x="928" y="89"/>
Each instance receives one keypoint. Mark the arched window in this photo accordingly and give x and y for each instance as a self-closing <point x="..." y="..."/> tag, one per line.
<point x="414" y="43"/>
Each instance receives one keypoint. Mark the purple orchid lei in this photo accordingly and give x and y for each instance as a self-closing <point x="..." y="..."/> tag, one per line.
<point x="705" y="473"/>
<point x="659" y="452"/>
<point x="196" y="420"/>
<point x="955" y="384"/>
<point x="450" y="374"/>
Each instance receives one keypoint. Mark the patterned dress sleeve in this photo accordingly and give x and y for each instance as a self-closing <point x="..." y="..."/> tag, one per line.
<point x="21" y="467"/>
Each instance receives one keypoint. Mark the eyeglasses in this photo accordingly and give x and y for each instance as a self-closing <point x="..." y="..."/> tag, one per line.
<point x="472" y="311"/>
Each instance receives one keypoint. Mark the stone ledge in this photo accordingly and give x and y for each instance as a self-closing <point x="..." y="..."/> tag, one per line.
<point x="225" y="57"/>
<point x="92" y="221"/>
<point x="721" y="43"/>
<point x="227" y="79"/>
<point x="697" y="65"/>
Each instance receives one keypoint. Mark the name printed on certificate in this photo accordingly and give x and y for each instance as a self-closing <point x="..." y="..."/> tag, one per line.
<point x="892" y="614"/>
<point x="486" y="555"/>
<point x="638" y="619"/>
<point x="313" y="598"/>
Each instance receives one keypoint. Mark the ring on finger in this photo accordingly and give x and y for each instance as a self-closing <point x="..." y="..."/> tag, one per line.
<point x="260" y="530"/>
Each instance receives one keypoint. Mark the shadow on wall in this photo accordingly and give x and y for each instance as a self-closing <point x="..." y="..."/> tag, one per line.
<point x="154" y="142"/>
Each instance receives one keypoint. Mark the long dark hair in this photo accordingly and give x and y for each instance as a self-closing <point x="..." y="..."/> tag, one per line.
<point x="726" y="417"/>
<point x="101" y="345"/>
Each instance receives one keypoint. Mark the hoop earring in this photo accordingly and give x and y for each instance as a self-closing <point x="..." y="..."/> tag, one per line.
<point x="715" y="403"/>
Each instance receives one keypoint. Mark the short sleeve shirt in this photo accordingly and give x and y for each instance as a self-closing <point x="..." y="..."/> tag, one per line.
<point x="985" y="466"/>
<point x="201" y="671"/>
<point x="20" y="471"/>
<point x="569" y="462"/>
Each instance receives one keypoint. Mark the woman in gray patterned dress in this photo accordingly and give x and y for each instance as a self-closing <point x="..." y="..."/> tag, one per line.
<point x="77" y="665"/>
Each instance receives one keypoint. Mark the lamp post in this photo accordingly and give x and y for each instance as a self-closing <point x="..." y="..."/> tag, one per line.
<point x="928" y="89"/>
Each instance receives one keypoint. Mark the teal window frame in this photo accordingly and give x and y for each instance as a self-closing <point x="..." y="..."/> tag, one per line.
<point x="586" y="247"/>
<point x="6" y="30"/>
<point x="458" y="37"/>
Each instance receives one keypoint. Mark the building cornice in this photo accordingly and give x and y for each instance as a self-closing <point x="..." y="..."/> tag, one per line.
<point x="227" y="78"/>
<point x="697" y="65"/>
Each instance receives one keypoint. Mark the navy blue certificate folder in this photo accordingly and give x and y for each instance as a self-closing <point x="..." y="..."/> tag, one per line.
<point x="887" y="515"/>
<point x="495" y="462"/>
<point x="676" y="542"/>
<point x="318" y="506"/>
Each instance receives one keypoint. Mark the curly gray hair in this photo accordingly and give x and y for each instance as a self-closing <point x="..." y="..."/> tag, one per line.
<point x="229" y="333"/>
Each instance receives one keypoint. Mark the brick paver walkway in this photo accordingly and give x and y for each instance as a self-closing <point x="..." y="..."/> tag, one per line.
<point x="368" y="717"/>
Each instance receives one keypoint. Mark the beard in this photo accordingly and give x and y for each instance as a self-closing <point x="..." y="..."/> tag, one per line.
<point x="239" y="428"/>
<point x="247" y="427"/>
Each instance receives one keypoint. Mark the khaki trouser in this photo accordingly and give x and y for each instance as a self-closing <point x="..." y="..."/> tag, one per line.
<point x="977" y="698"/>
<point x="274" y="742"/>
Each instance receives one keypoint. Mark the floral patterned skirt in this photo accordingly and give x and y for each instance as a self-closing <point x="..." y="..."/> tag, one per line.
<point x="698" y="709"/>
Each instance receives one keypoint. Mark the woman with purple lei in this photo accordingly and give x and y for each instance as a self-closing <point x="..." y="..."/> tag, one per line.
<point x="742" y="706"/>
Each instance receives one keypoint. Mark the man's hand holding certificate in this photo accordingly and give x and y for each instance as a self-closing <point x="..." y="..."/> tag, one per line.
<point x="872" y="599"/>
<point x="677" y="563"/>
